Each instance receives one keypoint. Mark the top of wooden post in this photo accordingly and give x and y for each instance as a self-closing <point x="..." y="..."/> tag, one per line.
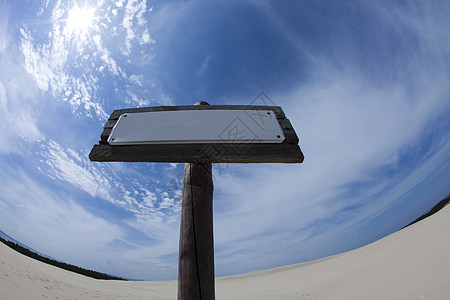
<point x="201" y="103"/>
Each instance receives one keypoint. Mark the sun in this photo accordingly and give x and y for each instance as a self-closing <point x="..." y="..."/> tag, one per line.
<point x="79" y="20"/>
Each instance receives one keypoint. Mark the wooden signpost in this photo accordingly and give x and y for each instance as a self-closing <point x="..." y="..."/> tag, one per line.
<point x="198" y="135"/>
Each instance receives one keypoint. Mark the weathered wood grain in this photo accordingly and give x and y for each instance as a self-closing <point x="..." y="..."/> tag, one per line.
<point x="289" y="132"/>
<point x="105" y="135"/>
<point x="200" y="153"/>
<point x="110" y="124"/>
<point x="196" y="248"/>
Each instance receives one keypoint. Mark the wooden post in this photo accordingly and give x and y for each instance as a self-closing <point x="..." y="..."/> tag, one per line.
<point x="196" y="254"/>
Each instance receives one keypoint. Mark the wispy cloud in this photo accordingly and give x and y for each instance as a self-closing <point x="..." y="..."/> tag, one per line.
<point x="17" y="97"/>
<point x="142" y="209"/>
<point x="105" y="56"/>
<point x="33" y="208"/>
<point x="61" y="64"/>
<point x="356" y="131"/>
<point x="18" y="124"/>
<point x="151" y="210"/>
<point x="102" y="181"/>
<point x="5" y="35"/>
<point x="205" y="65"/>
<point x="70" y="167"/>
<point x="134" y="17"/>
<point x="48" y="65"/>
<point x="368" y="97"/>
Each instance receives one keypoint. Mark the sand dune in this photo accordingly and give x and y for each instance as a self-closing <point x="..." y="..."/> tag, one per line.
<point x="412" y="264"/>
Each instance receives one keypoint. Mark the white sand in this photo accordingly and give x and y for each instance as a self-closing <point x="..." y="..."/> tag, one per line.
<point x="412" y="264"/>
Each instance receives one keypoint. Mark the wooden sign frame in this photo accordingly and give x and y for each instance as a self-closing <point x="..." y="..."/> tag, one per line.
<point x="286" y="152"/>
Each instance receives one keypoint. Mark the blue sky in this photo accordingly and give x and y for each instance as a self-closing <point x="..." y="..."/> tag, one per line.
<point x="365" y="85"/>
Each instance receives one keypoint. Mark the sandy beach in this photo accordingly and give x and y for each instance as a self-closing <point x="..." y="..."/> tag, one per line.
<point x="412" y="264"/>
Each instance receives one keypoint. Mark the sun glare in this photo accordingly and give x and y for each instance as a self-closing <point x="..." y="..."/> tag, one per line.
<point x="79" y="20"/>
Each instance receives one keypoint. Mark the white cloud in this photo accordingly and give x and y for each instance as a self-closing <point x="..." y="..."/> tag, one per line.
<point x="136" y="79"/>
<point x="146" y="39"/>
<point x="42" y="8"/>
<point x="103" y="182"/>
<point x="48" y="65"/>
<point x="205" y="65"/>
<point x="134" y="100"/>
<point x="62" y="63"/>
<point x="5" y="35"/>
<point x="164" y="99"/>
<point x="57" y="12"/>
<point x="54" y="65"/>
<point x="18" y="123"/>
<point x="105" y="55"/>
<point x="119" y="3"/>
<point x="149" y="198"/>
<point x="67" y="167"/>
<point x="35" y="64"/>
<point x="52" y="223"/>
<point x="152" y="213"/>
<point x="351" y="127"/>
<point x="134" y="10"/>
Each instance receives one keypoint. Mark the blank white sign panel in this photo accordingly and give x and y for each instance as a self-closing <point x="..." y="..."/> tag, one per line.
<point x="197" y="126"/>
